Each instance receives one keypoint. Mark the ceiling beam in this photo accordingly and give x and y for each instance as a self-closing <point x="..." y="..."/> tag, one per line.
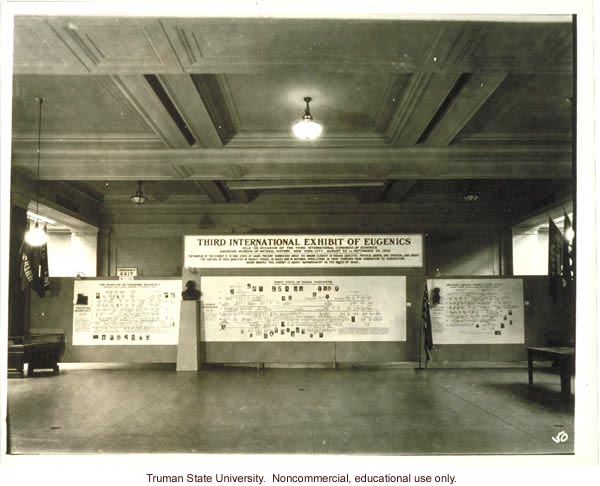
<point x="302" y="184"/>
<point x="398" y="190"/>
<point x="531" y="162"/>
<point x="472" y="96"/>
<point x="214" y="190"/>
<point x="216" y="96"/>
<point x="241" y="196"/>
<point x="139" y="93"/>
<point x="423" y="96"/>
<point x="185" y="97"/>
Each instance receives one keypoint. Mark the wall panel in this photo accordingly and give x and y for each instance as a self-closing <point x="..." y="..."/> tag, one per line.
<point x="156" y="256"/>
<point x="462" y="255"/>
<point x="359" y="352"/>
<point x="157" y="250"/>
<point x="54" y="313"/>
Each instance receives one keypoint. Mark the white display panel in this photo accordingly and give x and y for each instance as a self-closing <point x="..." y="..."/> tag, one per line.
<point x="260" y="251"/>
<point x="112" y="312"/>
<point x="477" y="311"/>
<point x="304" y="309"/>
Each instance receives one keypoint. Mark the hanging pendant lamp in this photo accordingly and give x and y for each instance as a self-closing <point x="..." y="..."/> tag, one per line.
<point x="471" y="195"/>
<point x="139" y="198"/>
<point x="307" y="128"/>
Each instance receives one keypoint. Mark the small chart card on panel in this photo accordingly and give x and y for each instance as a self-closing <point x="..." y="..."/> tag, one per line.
<point x="297" y="251"/>
<point x="477" y="311"/>
<point x="125" y="312"/>
<point x="305" y="309"/>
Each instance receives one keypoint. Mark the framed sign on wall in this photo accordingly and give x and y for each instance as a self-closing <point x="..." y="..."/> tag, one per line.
<point x="303" y="251"/>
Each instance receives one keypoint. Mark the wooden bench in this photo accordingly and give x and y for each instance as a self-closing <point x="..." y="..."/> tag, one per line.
<point x="39" y="351"/>
<point x="564" y="357"/>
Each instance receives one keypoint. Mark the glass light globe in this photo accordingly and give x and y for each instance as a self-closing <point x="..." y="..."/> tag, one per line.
<point x="35" y="236"/>
<point x="139" y="198"/>
<point x="570" y="234"/>
<point x="307" y="129"/>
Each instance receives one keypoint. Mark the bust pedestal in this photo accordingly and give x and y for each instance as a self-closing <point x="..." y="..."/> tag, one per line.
<point x="188" y="347"/>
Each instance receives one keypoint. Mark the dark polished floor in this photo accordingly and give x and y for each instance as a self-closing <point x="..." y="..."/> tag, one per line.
<point x="314" y="411"/>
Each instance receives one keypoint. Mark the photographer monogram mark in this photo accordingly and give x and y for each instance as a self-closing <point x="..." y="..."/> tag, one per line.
<point x="561" y="437"/>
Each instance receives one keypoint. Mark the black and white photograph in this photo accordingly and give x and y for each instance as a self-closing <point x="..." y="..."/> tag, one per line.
<point x="418" y="182"/>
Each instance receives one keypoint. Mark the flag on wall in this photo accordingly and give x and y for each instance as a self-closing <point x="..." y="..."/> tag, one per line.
<point x="426" y="319"/>
<point x="556" y="244"/>
<point x="34" y="268"/>
<point x="44" y="270"/>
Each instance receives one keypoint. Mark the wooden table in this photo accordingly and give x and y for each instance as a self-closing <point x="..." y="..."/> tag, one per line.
<point x="39" y="351"/>
<point x="565" y="359"/>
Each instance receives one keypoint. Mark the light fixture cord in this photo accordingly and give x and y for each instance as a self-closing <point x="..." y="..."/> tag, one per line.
<point x="307" y="109"/>
<point x="39" y="154"/>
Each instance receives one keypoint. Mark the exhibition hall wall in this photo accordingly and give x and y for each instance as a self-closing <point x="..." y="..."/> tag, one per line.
<point x="545" y="322"/>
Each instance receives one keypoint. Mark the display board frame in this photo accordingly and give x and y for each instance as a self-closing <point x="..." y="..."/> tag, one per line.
<point x="153" y="320"/>
<point x="306" y="308"/>
<point x="482" y="310"/>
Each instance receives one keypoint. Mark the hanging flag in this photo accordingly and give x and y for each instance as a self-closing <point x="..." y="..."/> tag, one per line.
<point x="34" y="268"/>
<point x="26" y="273"/>
<point x="426" y="319"/>
<point x="44" y="270"/>
<point x="556" y="243"/>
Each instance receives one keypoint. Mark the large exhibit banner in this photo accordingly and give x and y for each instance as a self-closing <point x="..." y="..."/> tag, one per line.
<point x="303" y="309"/>
<point x="260" y="251"/>
<point x="477" y="311"/>
<point x="126" y="312"/>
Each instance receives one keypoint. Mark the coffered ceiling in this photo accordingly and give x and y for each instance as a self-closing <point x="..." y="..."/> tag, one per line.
<point x="203" y="108"/>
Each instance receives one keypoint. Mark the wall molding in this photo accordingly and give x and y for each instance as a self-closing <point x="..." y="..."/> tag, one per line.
<point x="236" y="164"/>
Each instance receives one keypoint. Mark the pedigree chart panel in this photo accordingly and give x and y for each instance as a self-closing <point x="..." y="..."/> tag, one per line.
<point x="309" y="309"/>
